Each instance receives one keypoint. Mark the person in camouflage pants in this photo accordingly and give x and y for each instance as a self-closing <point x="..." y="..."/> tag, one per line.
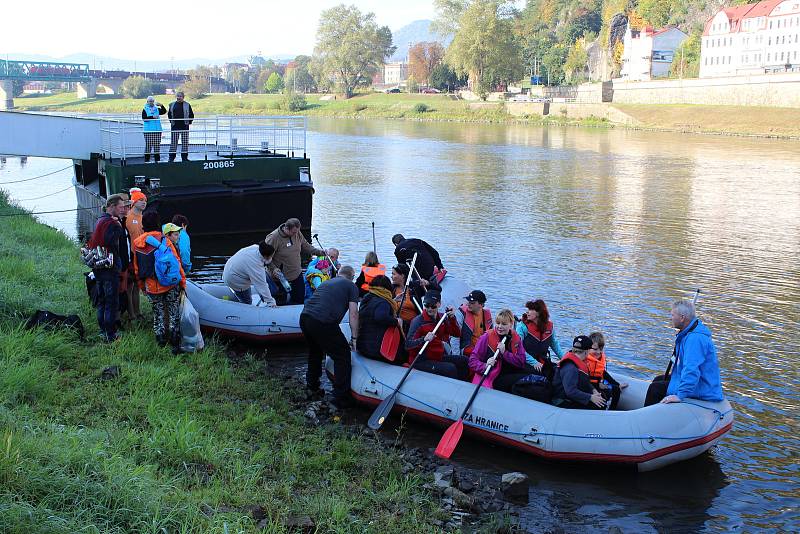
<point x="166" y="312"/>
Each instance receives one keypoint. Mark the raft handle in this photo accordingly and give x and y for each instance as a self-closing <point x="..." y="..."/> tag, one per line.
<point x="533" y="437"/>
<point x="651" y="439"/>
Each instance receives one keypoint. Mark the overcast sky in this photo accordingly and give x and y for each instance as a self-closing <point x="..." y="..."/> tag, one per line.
<point x="183" y="29"/>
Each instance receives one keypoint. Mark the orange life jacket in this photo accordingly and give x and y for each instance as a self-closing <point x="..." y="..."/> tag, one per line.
<point x="580" y="364"/>
<point x="596" y="366"/>
<point x="371" y="272"/>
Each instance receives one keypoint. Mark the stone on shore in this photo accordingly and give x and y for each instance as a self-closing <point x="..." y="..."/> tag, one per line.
<point x="515" y="486"/>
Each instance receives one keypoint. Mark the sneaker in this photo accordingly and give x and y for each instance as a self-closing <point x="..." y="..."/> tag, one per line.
<point x="315" y="394"/>
<point x="343" y="403"/>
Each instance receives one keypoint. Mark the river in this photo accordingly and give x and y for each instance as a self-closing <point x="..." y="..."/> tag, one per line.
<point x="608" y="226"/>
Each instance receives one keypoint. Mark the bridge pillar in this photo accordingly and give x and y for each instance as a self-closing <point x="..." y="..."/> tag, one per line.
<point x="6" y="95"/>
<point x="87" y="89"/>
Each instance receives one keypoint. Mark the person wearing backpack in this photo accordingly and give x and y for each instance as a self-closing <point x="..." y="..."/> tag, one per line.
<point x="158" y="269"/>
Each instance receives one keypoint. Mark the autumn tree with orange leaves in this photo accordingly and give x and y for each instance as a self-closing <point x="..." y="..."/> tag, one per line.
<point x="422" y="58"/>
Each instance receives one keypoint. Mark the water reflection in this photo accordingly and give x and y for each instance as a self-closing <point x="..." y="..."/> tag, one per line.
<point x="608" y="226"/>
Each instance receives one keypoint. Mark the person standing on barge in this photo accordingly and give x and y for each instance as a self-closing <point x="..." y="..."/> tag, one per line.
<point x="151" y="119"/>
<point x="180" y="118"/>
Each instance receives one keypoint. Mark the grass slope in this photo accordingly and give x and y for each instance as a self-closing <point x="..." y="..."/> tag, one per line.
<point x="185" y="443"/>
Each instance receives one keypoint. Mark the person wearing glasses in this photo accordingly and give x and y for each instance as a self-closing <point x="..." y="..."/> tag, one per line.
<point x="436" y="360"/>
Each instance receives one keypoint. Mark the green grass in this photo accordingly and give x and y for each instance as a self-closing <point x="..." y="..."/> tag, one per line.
<point x="173" y="438"/>
<point x="364" y="105"/>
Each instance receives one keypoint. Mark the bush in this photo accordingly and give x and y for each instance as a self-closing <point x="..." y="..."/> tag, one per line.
<point x="359" y="107"/>
<point x="196" y="87"/>
<point x="139" y="87"/>
<point x="294" y="102"/>
<point x="421" y="108"/>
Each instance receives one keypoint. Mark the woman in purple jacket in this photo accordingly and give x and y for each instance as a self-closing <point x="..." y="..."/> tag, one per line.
<point x="510" y="366"/>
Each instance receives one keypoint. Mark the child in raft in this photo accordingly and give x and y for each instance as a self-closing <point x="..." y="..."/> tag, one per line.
<point x="603" y="382"/>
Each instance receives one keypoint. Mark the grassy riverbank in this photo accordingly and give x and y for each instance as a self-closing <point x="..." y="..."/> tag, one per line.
<point x="188" y="443"/>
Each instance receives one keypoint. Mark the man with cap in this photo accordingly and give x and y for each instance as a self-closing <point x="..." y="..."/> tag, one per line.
<point x="107" y="235"/>
<point x="571" y="385"/>
<point x="319" y="322"/>
<point x="435" y="359"/>
<point x="475" y="319"/>
<point x="427" y="256"/>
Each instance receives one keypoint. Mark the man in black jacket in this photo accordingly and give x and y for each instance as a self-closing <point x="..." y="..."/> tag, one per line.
<point x="180" y="117"/>
<point x="427" y="256"/>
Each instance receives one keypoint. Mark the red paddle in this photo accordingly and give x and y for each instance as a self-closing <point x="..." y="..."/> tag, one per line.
<point x="453" y="433"/>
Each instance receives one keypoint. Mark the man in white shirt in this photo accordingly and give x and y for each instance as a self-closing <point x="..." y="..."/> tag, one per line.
<point x="248" y="268"/>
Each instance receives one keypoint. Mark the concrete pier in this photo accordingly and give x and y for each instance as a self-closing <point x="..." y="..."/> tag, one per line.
<point x="87" y="89"/>
<point x="6" y="95"/>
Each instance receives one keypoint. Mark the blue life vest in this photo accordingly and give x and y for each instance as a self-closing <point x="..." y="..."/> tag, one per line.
<point x="152" y="113"/>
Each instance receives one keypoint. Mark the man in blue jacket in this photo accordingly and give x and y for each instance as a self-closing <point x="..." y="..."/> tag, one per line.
<point x="696" y="371"/>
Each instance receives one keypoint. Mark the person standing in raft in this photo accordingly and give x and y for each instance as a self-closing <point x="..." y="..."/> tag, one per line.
<point x="696" y="372"/>
<point x="107" y="235"/>
<point x="571" y="385"/>
<point x="435" y="360"/>
<point x="289" y="243"/>
<point x="369" y="270"/>
<point x="538" y="337"/>
<point x="475" y="320"/>
<point x="319" y="322"/>
<point x="603" y="382"/>
<point x="376" y="313"/>
<point x="509" y="366"/>
<point x="428" y="260"/>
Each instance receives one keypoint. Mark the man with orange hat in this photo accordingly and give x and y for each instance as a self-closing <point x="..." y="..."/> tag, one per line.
<point x="133" y="223"/>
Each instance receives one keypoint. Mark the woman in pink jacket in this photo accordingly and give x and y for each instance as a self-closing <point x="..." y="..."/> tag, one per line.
<point x="509" y="366"/>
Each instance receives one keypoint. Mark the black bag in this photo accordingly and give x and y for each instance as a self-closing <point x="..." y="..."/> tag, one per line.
<point x="146" y="264"/>
<point x="91" y="288"/>
<point x="52" y="321"/>
<point x="535" y="387"/>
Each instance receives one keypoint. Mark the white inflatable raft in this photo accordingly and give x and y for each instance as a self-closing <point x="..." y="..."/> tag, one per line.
<point x="649" y="438"/>
<point x="220" y="311"/>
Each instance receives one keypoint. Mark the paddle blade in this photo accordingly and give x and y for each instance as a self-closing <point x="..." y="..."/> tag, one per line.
<point x="383" y="410"/>
<point x="450" y="440"/>
<point x="390" y="343"/>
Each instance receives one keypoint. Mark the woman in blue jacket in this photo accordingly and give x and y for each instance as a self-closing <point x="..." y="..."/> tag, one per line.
<point x="151" y="119"/>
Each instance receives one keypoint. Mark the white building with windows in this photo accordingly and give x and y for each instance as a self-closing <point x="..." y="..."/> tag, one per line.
<point x="752" y="39"/>
<point x="649" y="53"/>
<point x="395" y="73"/>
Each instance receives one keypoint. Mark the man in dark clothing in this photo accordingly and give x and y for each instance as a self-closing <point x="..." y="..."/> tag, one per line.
<point x="427" y="256"/>
<point x="180" y="117"/>
<point x="319" y="322"/>
<point x="108" y="235"/>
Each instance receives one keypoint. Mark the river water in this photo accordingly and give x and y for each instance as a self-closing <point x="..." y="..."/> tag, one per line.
<point x="608" y="226"/>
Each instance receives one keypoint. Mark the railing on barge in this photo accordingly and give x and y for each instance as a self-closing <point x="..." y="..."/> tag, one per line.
<point x="227" y="136"/>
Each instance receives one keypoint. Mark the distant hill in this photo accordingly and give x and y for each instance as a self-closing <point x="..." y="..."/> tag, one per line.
<point x="419" y="30"/>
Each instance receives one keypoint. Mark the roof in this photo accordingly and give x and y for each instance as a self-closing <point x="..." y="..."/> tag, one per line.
<point x="747" y="11"/>
<point x="763" y="9"/>
<point x="666" y="29"/>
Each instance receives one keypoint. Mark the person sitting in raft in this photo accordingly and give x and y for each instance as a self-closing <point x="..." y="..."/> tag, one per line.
<point x="598" y="374"/>
<point x="321" y="269"/>
<point x="696" y="371"/>
<point x="413" y="297"/>
<point x="538" y="337"/>
<point x="376" y="313"/>
<point x="250" y="268"/>
<point x="436" y="360"/>
<point x="369" y="270"/>
<point x="509" y="366"/>
<point x="571" y="385"/>
<point x="475" y="320"/>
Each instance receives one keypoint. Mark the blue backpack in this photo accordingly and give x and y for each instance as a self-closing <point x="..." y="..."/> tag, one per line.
<point x="167" y="266"/>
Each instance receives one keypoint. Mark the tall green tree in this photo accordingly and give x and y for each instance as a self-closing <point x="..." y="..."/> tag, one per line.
<point x="351" y="47"/>
<point x="299" y="78"/>
<point x="484" y="47"/>
<point x="274" y="83"/>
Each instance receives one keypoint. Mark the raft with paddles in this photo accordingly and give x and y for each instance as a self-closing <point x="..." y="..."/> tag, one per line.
<point x="646" y="437"/>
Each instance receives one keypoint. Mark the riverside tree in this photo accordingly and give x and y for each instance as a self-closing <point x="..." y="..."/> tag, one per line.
<point x="423" y="58"/>
<point x="351" y="47"/>
<point x="274" y="83"/>
<point x="484" y="47"/>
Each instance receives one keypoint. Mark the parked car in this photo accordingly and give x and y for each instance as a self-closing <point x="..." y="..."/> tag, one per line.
<point x="393" y="90"/>
<point x="429" y="90"/>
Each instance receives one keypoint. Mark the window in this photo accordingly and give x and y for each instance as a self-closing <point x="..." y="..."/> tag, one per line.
<point x="769" y="41"/>
<point x="768" y="56"/>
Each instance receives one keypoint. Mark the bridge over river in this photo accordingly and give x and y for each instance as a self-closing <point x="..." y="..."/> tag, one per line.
<point x="87" y="80"/>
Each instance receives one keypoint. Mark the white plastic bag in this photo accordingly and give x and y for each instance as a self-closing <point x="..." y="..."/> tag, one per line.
<point x="191" y="338"/>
